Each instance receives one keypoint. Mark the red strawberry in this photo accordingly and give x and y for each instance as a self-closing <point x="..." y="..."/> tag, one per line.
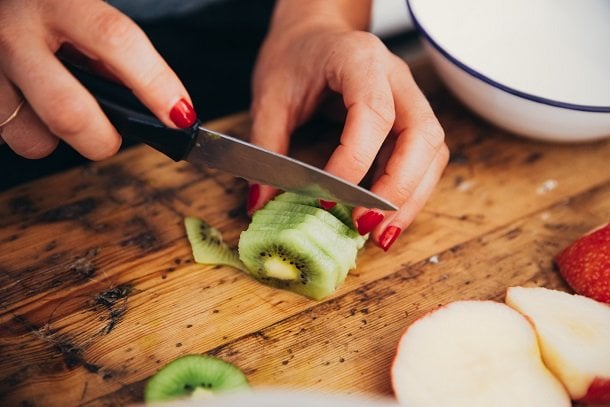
<point x="585" y="264"/>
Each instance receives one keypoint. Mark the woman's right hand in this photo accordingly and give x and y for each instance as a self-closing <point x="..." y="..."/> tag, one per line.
<point x="57" y="105"/>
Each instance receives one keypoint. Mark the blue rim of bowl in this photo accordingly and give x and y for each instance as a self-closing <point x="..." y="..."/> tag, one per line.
<point x="476" y="74"/>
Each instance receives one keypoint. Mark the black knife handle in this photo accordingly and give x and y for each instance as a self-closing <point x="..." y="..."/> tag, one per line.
<point x="131" y="118"/>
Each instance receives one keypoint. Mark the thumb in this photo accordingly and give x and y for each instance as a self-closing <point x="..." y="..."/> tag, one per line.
<point x="271" y="129"/>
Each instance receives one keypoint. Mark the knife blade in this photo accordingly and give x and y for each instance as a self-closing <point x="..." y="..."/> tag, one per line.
<point x="251" y="162"/>
<point x="203" y="146"/>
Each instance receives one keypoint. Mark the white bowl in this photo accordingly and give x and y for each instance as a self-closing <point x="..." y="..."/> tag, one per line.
<point x="284" y="398"/>
<point x="538" y="68"/>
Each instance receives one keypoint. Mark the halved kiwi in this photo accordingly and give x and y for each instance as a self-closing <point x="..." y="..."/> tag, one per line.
<point x="198" y="375"/>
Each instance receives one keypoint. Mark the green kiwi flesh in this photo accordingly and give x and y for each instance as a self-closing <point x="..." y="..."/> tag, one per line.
<point x="208" y="246"/>
<point x="294" y="244"/>
<point x="341" y="249"/>
<point x="288" y="259"/>
<point x="291" y="243"/>
<point x="329" y="217"/>
<point x="194" y="375"/>
<point x="340" y="211"/>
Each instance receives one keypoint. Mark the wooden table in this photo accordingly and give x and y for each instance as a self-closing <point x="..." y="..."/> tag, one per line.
<point x="98" y="288"/>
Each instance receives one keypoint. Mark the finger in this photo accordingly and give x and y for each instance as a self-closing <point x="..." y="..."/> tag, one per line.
<point x="105" y="34"/>
<point x="69" y="53"/>
<point x="370" y="115"/>
<point x="271" y="129"/>
<point x="61" y="102"/>
<point x="391" y="228"/>
<point x="27" y="136"/>
<point x="419" y="139"/>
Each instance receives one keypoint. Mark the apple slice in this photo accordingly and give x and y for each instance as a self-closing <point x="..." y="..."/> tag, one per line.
<point x="574" y="336"/>
<point x="473" y="353"/>
<point x="585" y="264"/>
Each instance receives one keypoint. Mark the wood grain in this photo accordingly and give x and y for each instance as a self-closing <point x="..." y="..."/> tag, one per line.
<point x="98" y="287"/>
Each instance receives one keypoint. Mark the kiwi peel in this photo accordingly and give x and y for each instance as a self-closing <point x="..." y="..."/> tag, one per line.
<point x="208" y="246"/>
<point x="195" y="376"/>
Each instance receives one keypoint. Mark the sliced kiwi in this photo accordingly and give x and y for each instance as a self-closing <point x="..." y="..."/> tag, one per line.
<point x="340" y="211"/>
<point x="291" y="243"/>
<point x="292" y="207"/>
<point x="288" y="259"/>
<point x="337" y="246"/>
<point x="194" y="375"/>
<point x="330" y="218"/>
<point x="344" y="214"/>
<point x="208" y="246"/>
<point x="296" y="198"/>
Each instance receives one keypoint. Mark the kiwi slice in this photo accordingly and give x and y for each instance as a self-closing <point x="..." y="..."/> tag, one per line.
<point x="340" y="211"/>
<point x="296" y="198"/>
<point x="344" y="214"/>
<point x="293" y="244"/>
<point x="336" y="245"/>
<point x="198" y="376"/>
<point x="288" y="259"/>
<point x="208" y="246"/>
<point x="329" y="217"/>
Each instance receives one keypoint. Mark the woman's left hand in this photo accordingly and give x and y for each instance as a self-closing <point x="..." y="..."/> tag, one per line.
<point x="388" y="117"/>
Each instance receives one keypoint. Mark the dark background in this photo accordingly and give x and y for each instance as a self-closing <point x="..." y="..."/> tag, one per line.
<point x="213" y="52"/>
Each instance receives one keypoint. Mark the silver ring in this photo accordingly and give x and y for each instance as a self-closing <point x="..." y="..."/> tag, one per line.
<point x="12" y="115"/>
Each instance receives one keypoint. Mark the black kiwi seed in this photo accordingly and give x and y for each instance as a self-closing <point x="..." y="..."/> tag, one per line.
<point x="187" y="374"/>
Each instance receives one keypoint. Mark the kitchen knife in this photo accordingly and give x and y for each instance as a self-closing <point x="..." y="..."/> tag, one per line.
<point x="199" y="145"/>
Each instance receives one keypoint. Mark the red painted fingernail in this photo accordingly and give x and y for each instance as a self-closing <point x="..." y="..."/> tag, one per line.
<point x="253" y="195"/>
<point x="328" y="205"/>
<point x="388" y="237"/>
<point x="368" y="221"/>
<point x="183" y="115"/>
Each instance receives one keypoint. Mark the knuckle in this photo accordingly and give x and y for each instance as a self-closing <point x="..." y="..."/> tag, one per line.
<point x="66" y="116"/>
<point x="364" y="49"/>
<point x="433" y="134"/>
<point x="400" y="64"/>
<point x="359" y="162"/>
<point x="404" y="190"/>
<point x="39" y="149"/>
<point x="367" y="41"/>
<point x="113" y="29"/>
<point x="444" y="155"/>
<point x="154" y="80"/>
<point x="8" y="46"/>
<point x="382" y="108"/>
<point x="105" y="148"/>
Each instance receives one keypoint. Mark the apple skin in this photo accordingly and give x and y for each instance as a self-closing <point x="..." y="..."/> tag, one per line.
<point x="585" y="264"/>
<point x="598" y="392"/>
<point x="585" y="321"/>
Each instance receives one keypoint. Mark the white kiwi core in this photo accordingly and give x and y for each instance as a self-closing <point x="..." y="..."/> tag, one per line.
<point x="280" y="269"/>
<point x="201" y="394"/>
